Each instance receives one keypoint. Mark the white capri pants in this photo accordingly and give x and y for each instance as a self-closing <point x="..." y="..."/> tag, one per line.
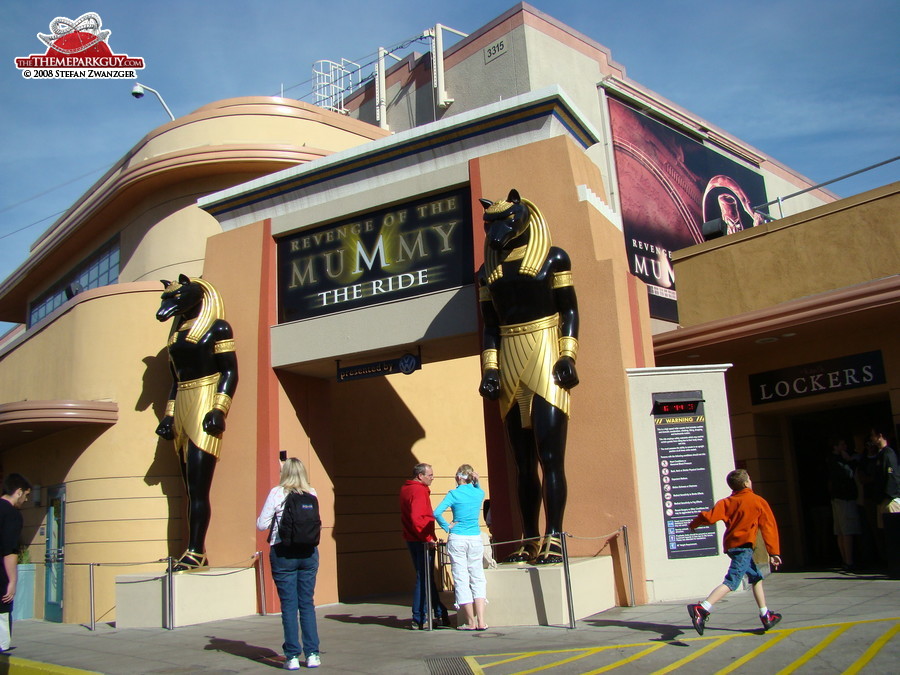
<point x="466" y="566"/>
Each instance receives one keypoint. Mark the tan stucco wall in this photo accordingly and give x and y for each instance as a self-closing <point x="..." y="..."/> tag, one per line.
<point x="123" y="497"/>
<point x="848" y="242"/>
<point x="165" y="234"/>
<point x="260" y="121"/>
<point x="361" y="443"/>
<point x="123" y="486"/>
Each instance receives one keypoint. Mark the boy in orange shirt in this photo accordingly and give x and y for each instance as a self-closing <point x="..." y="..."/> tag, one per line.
<point x="744" y="513"/>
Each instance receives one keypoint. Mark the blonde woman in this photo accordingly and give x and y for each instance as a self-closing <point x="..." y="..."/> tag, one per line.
<point x="294" y="570"/>
<point x="465" y="547"/>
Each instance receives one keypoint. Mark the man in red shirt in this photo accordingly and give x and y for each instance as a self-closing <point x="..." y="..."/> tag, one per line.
<point x="417" y="519"/>
<point x="744" y="514"/>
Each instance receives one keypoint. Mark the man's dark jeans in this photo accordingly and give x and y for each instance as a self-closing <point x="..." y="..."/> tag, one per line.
<point x="424" y="564"/>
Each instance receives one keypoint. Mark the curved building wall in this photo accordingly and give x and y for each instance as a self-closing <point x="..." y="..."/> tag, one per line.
<point x="217" y="146"/>
<point x="123" y="496"/>
<point x="123" y="488"/>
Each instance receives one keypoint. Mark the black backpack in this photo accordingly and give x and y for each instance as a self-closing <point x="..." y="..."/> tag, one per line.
<point x="300" y="522"/>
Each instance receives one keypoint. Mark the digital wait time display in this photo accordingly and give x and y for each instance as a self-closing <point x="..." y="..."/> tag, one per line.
<point x="675" y="407"/>
<point x="682" y="451"/>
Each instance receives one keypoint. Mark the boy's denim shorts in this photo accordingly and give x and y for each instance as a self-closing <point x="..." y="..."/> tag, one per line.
<point x="741" y="564"/>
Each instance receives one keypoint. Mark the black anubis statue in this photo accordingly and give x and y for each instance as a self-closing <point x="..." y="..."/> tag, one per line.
<point x="530" y="343"/>
<point x="204" y="370"/>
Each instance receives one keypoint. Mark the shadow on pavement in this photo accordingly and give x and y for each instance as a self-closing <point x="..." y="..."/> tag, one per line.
<point x="845" y="576"/>
<point x="390" y="621"/>
<point x="667" y="632"/>
<point x="240" y="648"/>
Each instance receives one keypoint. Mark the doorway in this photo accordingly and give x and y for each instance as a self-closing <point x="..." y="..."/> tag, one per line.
<point x="810" y="436"/>
<point x="54" y="555"/>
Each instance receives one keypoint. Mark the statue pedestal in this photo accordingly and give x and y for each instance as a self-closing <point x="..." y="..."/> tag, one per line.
<point x="535" y="595"/>
<point x="198" y="597"/>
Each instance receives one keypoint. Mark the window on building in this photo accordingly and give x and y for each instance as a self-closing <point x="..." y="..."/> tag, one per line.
<point x="102" y="269"/>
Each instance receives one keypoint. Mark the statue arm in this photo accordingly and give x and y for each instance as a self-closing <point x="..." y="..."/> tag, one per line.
<point x="564" y="371"/>
<point x="226" y="365"/>
<point x="490" y="369"/>
<point x="166" y="429"/>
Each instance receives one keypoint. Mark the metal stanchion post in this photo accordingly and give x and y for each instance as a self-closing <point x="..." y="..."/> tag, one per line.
<point x="628" y="566"/>
<point x="260" y="571"/>
<point x="429" y="579"/>
<point x="568" y="578"/>
<point x="93" y="608"/>
<point x="170" y="594"/>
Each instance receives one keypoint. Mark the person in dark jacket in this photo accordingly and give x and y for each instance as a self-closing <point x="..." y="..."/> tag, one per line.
<point x="889" y="508"/>
<point x="16" y="489"/>
<point x="844" y="506"/>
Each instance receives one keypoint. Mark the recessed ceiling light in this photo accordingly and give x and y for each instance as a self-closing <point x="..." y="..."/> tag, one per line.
<point x="787" y="335"/>
<point x="766" y="340"/>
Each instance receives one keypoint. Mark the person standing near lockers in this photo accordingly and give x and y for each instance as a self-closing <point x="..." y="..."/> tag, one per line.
<point x="889" y="509"/>
<point x="844" y="508"/>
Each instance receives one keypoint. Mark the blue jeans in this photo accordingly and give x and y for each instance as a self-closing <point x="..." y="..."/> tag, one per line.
<point x="295" y="579"/>
<point x="741" y="564"/>
<point x="424" y="565"/>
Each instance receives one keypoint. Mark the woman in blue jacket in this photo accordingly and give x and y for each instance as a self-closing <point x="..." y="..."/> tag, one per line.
<point x="465" y="547"/>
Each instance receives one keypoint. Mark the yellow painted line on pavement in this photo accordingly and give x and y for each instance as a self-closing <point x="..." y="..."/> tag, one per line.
<point x="717" y="642"/>
<point x="473" y="665"/>
<point x="585" y="653"/>
<point x="873" y="649"/>
<point x="629" y="659"/>
<point x="768" y="644"/>
<point x="21" y="666"/>
<point x="834" y="635"/>
<point x="843" y="623"/>
<point x="779" y="634"/>
<point x="517" y="657"/>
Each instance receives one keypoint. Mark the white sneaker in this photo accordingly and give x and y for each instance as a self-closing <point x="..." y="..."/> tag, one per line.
<point x="313" y="661"/>
<point x="292" y="663"/>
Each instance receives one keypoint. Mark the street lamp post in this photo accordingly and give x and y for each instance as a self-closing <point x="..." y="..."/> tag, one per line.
<point x="138" y="92"/>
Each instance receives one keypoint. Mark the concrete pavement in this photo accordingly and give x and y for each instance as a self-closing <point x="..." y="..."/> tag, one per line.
<point x="832" y="623"/>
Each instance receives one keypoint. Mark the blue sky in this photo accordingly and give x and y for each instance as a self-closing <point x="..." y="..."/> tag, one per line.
<point x="813" y="83"/>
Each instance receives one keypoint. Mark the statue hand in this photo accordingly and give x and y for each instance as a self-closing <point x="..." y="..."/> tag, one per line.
<point x="564" y="372"/>
<point x="214" y="422"/>
<point x="490" y="384"/>
<point x="166" y="428"/>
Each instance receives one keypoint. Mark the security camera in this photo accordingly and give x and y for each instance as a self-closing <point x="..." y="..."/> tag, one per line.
<point x="137" y="91"/>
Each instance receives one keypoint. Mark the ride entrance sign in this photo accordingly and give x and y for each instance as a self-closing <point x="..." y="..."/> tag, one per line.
<point x="682" y="452"/>
<point x="395" y="253"/>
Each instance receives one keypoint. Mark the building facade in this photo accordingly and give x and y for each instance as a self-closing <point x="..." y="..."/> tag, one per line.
<point x="343" y="244"/>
